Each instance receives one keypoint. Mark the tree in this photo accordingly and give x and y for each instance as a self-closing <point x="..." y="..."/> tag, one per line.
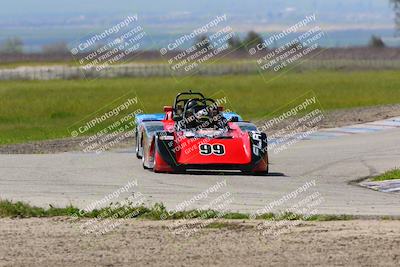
<point x="56" y="48"/>
<point x="253" y="39"/>
<point x="12" y="46"/>
<point x="376" y="42"/>
<point x="203" y="42"/>
<point x="396" y="8"/>
<point x="235" y="43"/>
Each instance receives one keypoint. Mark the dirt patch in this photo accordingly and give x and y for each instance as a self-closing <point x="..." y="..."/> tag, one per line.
<point x="57" y="146"/>
<point x="343" y="117"/>
<point x="56" y="242"/>
<point x="335" y="118"/>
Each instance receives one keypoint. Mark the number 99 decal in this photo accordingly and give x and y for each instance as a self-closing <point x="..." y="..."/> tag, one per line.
<point x="216" y="149"/>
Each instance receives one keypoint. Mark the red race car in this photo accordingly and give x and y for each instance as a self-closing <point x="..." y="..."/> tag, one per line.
<point x="195" y="134"/>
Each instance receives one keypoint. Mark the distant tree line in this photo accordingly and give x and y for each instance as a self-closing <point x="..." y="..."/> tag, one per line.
<point x="15" y="46"/>
<point x="235" y="43"/>
<point x="12" y="46"/>
<point x="252" y="39"/>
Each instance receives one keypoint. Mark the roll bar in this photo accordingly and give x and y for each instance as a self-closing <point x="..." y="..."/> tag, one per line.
<point x="186" y="94"/>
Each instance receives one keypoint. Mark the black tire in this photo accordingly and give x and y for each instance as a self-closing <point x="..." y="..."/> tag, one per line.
<point x="144" y="166"/>
<point x="138" y="146"/>
<point x="137" y="155"/>
<point x="248" y="172"/>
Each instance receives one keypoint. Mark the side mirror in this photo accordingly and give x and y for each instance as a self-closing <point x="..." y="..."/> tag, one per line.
<point x="168" y="109"/>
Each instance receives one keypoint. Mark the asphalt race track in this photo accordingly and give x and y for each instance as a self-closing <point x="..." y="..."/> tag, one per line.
<point x="81" y="178"/>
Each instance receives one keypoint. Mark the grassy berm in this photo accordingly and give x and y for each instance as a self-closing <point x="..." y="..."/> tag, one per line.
<point x="42" y="110"/>
<point x="157" y="212"/>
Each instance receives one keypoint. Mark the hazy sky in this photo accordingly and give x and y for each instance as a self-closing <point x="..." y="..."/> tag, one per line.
<point x="27" y="9"/>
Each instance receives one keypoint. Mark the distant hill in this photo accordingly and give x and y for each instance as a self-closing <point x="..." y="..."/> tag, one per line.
<point x="46" y="21"/>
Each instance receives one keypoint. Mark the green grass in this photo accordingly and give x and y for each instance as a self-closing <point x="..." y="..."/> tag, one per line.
<point x="39" y="110"/>
<point x="9" y="209"/>
<point x="23" y="210"/>
<point x="72" y="62"/>
<point x="389" y="175"/>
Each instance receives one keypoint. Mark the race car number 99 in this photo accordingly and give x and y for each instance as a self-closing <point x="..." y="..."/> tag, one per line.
<point x="216" y="149"/>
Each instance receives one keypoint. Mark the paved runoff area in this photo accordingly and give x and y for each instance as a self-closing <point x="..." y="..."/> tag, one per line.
<point x="326" y="165"/>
